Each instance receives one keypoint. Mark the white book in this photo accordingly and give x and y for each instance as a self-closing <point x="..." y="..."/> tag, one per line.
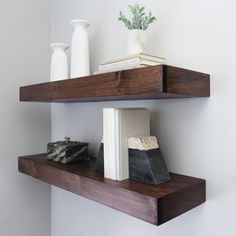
<point x="109" y="125"/>
<point x="144" y="56"/>
<point x="127" y="63"/>
<point x="128" y="67"/>
<point x="118" y="125"/>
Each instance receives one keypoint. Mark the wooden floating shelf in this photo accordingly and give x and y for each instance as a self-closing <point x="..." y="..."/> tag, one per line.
<point x="153" y="204"/>
<point x="153" y="82"/>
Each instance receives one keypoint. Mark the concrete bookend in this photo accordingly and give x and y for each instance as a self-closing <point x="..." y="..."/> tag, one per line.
<point x="146" y="163"/>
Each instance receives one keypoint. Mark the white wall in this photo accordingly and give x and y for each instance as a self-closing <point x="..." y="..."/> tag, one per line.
<point x="24" y="127"/>
<point x="197" y="136"/>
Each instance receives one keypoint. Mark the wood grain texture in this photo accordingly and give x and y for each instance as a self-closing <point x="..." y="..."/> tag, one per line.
<point x="153" y="82"/>
<point x="182" y="81"/>
<point x="153" y="204"/>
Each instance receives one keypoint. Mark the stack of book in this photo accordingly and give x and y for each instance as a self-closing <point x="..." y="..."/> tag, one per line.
<point x="118" y="125"/>
<point x="129" y="62"/>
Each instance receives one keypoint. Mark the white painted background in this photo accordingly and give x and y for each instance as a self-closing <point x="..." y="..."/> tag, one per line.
<point x="197" y="136"/>
<point x="24" y="128"/>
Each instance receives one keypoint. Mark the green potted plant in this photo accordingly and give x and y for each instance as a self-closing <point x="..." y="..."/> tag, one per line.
<point x="137" y="26"/>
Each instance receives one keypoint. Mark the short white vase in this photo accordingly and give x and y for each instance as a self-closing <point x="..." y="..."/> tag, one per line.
<point x="59" y="62"/>
<point x="80" y="49"/>
<point x="136" y="41"/>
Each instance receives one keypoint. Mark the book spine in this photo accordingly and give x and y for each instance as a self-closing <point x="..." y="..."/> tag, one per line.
<point x="123" y="148"/>
<point x="120" y="64"/>
<point x="151" y="58"/>
<point x="113" y="145"/>
<point x="150" y="63"/>
<point x="118" y="144"/>
<point x="134" y="56"/>
<point x="106" y="128"/>
<point x="110" y="143"/>
<point x="128" y="67"/>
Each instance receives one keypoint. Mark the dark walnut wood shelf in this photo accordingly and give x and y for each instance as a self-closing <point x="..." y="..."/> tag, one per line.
<point x="154" y="82"/>
<point x="153" y="204"/>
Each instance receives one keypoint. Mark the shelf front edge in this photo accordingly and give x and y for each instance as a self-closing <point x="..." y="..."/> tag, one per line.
<point x="137" y="205"/>
<point x="153" y="82"/>
<point x="187" y="192"/>
<point x="123" y="85"/>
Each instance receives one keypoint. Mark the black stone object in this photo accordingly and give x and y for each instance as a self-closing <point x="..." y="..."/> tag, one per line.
<point x="67" y="151"/>
<point x="144" y="166"/>
<point x="148" y="166"/>
<point x="100" y="159"/>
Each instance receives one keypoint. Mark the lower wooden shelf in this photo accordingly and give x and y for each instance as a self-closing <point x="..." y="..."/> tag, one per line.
<point x="153" y="204"/>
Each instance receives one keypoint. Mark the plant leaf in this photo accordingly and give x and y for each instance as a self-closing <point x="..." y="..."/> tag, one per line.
<point x="139" y="19"/>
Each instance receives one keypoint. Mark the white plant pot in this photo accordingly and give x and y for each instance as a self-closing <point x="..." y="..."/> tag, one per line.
<point x="136" y="41"/>
<point x="80" y="49"/>
<point x="59" y="62"/>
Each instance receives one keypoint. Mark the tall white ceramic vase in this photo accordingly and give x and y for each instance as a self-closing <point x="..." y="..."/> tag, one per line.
<point x="59" y="62"/>
<point x="80" y="49"/>
<point x="136" y="41"/>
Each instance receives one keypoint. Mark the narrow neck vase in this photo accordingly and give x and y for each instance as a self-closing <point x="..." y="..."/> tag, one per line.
<point x="59" y="62"/>
<point x="80" y="49"/>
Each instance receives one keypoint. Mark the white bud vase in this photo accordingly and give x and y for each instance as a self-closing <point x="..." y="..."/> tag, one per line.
<point x="59" y="63"/>
<point x="136" y="41"/>
<point x="80" y="49"/>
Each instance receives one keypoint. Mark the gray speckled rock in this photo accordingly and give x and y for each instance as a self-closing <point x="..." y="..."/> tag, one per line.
<point x="67" y="151"/>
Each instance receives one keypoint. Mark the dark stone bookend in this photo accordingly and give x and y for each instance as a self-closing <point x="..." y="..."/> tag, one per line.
<point x="144" y="166"/>
<point x="100" y="159"/>
<point x="148" y="166"/>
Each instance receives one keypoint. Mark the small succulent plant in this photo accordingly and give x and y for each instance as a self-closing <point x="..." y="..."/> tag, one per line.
<point x="140" y="19"/>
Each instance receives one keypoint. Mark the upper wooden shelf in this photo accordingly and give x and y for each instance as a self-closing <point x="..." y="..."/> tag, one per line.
<point x="153" y="204"/>
<point x="153" y="82"/>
